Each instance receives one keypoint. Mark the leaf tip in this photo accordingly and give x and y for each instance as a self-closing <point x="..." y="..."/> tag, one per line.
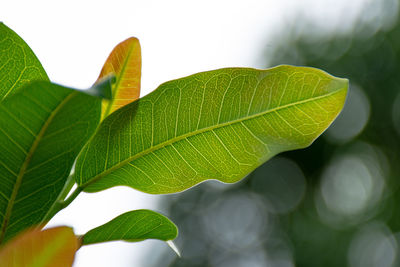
<point x="131" y="39"/>
<point x="172" y="245"/>
<point x="344" y="82"/>
<point x="340" y="85"/>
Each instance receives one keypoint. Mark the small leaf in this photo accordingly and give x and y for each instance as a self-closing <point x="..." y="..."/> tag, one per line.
<point x="133" y="226"/>
<point x="18" y="64"/>
<point x="219" y="124"/>
<point x="35" y="248"/>
<point x="125" y="63"/>
<point x="42" y="129"/>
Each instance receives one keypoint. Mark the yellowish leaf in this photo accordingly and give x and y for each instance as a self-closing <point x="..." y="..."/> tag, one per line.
<point x="36" y="248"/>
<point x="125" y="63"/>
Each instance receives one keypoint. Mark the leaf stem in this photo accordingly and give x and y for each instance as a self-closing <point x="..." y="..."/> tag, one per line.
<point x="71" y="198"/>
<point x="61" y="202"/>
<point x="69" y="183"/>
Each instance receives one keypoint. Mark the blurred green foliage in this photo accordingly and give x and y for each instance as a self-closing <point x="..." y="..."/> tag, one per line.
<point x="334" y="203"/>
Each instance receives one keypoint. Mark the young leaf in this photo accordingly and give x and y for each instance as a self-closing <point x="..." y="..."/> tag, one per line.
<point x="36" y="248"/>
<point x="219" y="124"/>
<point x="133" y="226"/>
<point x="125" y="63"/>
<point x="42" y="129"/>
<point x="18" y="64"/>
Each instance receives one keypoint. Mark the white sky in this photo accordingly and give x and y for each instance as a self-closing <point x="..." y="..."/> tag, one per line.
<point x="73" y="38"/>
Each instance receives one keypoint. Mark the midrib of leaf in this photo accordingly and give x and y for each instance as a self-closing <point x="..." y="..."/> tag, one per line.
<point x="210" y="128"/>
<point x="19" y="78"/>
<point x="28" y="157"/>
<point x="112" y="100"/>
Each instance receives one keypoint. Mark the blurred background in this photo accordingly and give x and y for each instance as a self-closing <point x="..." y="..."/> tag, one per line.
<point x="332" y="204"/>
<point x="336" y="202"/>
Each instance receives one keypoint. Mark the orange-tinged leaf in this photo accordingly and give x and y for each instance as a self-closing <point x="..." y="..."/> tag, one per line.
<point x="36" y="248"/>
<point x="125" y="63"/>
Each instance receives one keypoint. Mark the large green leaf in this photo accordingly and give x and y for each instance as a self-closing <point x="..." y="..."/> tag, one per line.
<point x="133" y="226"/>
<point x="219" y="124"/>
<point x="18" y="64"/>
<point x="42" y="129"/>
<point x="36" y="248"/>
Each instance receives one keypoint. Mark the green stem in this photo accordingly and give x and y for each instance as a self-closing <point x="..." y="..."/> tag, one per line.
<point x="71" y="198"/>
<point x="61" y="202"/>
<point x="67" y="188"/>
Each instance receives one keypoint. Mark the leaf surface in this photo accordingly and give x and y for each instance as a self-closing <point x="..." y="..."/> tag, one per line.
<point x="42" y="129"/>
<point x="125" y="63"/>
<point x="219" y="124"/>
<point x="36" y="248"/>
<point x="133" y="226"/>
<point x="18" y="64"/>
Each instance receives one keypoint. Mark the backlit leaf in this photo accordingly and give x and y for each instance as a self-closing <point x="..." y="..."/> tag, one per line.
<point x="18" y="64"/>
<point x="36" y="248"/>
<point x="42" y="129"/>
<point x="125" y="63"/>
<point x="219" y="124"/>
<point x="133" y="226"/>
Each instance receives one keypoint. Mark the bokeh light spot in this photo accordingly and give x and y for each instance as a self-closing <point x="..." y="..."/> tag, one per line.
<point x="373" y="246"/>
<point x="352" y="185"/>
<point x="281" y="182"/>
<point x="236" y="221"/>
<point x="347" y="186"/>
<point x="352" y="119"/>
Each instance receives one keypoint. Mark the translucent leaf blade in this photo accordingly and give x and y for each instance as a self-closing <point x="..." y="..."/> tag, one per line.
<point x="133" y="226"/>
<point x="18" y="63"/>
<point x="219" y="124"/>
<point x="125" y="63"/>
<point x="42" y="129"/>
<point x="35" y="248"/>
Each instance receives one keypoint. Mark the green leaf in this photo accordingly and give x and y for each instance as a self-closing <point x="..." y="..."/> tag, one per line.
<point x="42" y="129"/>
<point x="18" y="64"/>
<point x="219" y="124"/>
<point x="35" y="248"/>
<point x="133" y="226"/>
